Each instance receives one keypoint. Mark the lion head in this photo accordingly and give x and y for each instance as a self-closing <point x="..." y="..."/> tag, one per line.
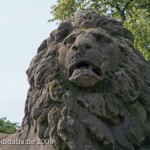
<point x="89" y="87"/>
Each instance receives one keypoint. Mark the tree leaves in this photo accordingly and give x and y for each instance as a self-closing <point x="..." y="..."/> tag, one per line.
<point x="139" y="24"/>
<point x="8" y="127"/>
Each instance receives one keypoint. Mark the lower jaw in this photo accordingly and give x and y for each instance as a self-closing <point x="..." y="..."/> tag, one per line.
<point x="84" y="81"/>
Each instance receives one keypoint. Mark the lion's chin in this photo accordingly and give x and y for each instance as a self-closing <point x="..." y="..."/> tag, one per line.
<point x="85" y="77"/>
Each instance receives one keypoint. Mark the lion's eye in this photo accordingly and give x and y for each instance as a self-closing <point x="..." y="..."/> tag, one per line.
<point x="69" y="41"/>
<point x="103" y="41"/>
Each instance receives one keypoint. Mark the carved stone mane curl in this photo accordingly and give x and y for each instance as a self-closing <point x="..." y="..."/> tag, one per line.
<point x="113" y="113"/>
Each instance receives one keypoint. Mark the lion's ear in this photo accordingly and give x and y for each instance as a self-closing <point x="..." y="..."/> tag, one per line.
<point x="128" y="35"/>
<point x="61" y="34"/>
<point x="63" y="31"/>
<point x="65" y="24"/>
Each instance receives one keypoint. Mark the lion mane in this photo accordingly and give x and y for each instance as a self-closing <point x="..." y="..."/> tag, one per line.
<point x="94" y="99"/>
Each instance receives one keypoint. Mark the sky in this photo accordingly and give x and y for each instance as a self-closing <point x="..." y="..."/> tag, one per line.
<point x="23" y="26"/>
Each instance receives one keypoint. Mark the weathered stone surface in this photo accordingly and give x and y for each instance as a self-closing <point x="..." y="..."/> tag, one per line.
<point x="89" y="89"/>
<point x="3" y="135"/>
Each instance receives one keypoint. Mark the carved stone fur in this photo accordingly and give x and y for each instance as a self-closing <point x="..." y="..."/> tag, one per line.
<point x="89" y="89"/>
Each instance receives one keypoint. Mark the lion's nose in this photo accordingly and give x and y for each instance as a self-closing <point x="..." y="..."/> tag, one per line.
<point x="82" y="44"/>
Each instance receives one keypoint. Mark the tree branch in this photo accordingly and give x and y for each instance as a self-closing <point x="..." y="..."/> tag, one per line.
<point x="121" y="11"/>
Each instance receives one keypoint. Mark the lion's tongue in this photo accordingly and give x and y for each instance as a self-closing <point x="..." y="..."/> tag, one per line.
<point x="83" y="72"/>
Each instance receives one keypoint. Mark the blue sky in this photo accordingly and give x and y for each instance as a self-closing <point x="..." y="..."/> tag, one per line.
<point x="23" y="26"/>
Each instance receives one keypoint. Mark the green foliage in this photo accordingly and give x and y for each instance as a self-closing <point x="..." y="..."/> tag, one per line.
<point x="135" y="14"/>
<point x="64" y="9"/>
<point x="7" y="127"/>
<point x="139" y="24"/>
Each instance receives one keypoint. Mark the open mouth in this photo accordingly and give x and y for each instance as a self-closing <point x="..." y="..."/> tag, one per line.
<point x="87" y="67"/>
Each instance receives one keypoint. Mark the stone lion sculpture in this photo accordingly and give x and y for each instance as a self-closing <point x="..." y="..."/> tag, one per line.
<point x="89" y="89"/>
